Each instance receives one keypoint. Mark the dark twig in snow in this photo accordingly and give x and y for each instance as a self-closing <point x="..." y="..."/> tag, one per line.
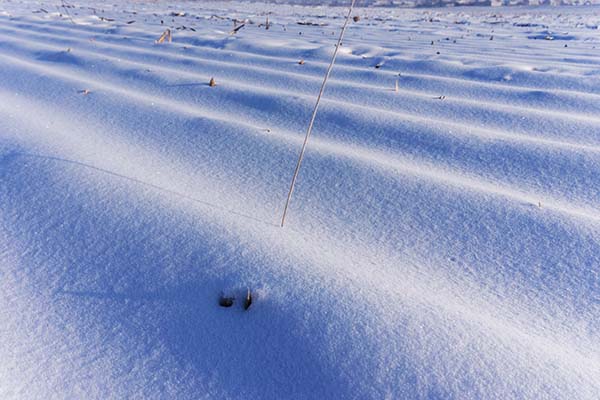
<point x="236" y="29"/>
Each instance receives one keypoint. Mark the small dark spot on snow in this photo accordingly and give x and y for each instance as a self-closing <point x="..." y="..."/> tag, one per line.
<point x="225" y="301"/>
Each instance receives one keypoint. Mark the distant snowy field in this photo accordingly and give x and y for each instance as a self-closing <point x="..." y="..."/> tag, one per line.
<point x="443" y="241"/>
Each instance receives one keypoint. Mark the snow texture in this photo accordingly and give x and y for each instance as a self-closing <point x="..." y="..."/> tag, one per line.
<point x="443" y="240"/>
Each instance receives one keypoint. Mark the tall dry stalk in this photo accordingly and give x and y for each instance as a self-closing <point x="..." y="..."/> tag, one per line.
<point x="314" y="114"/>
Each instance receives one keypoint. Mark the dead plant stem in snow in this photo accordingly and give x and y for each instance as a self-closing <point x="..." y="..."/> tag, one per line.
<point x="314" y="114"/>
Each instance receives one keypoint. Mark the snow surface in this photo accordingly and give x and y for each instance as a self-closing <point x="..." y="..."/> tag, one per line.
<point x="443" y="240"/>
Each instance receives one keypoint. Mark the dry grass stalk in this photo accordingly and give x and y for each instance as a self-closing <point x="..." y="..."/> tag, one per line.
<point x="166" y="35"/>
<point x="314" y="114"/>
<point x="66" y="7"/>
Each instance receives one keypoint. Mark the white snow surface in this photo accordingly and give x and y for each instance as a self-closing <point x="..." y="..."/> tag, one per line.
<point x="443" y="240"/>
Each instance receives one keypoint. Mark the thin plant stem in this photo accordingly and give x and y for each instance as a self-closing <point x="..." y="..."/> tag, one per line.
<point x="314" y="114"/>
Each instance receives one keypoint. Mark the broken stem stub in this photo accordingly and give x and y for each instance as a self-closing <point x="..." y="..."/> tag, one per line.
<point x="248" y="300"/>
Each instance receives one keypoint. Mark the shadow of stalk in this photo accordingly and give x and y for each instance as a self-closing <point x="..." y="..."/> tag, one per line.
<point x="140" y="182"/>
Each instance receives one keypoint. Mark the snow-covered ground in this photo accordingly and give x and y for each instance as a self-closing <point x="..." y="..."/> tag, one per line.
<point x="443" y="240"/>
